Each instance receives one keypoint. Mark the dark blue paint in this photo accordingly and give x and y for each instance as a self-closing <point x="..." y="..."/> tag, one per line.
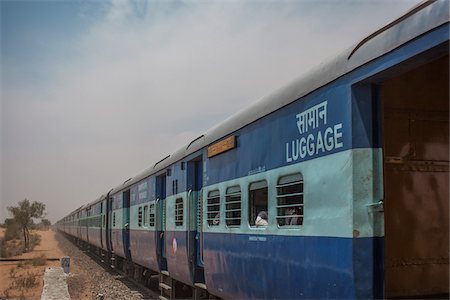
<point x="126" y="224"/>
<point x="180" y="265"/>
<point x="109" y="223"/>
<point x="117" y="242"/>
<point x="178" y="175"/>
<point x="143" y="248"/>
<point x="94" y="235"/>
<point x="291" y="267"/>
<point x="273" y="131"/>
<point x="160" y="193"/>
<point x="366" y="113"/>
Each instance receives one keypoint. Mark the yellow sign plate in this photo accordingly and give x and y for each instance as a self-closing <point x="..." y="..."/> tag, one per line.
<point x="222" y="146"/>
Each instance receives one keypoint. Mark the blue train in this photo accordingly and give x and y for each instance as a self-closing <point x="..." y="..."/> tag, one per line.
<point x="335" y="186"/>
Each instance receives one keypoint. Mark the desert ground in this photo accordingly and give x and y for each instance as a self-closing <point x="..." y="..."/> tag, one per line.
<point x="18" y="273"/>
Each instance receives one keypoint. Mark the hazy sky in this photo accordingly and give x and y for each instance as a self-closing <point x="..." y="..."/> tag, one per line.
<point x="93" y="92"/>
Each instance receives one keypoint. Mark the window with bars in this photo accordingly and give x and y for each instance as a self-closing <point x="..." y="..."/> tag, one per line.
<point x="140" y="216"/>
<point x="179" y="212"/>
<point x="233" y="206"/>
<point x="258" y="195"/>
<point x="290" y="200"/>
<point x="213" y="218"/>
<point x="146" y="216"/>
<point x="152" y="215"/>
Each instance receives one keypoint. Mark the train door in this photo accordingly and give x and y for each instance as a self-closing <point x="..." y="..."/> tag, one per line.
<point x="109" y="222"/>
<point x="161" y="220"/>
<point x="415" y="114"/>
<point x="195" y="238"/>
<point x="100" y="224"/>
<point x="126" y="223"/>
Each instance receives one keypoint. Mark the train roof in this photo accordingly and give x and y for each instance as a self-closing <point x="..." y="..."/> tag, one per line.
<point x="422" y="18"/>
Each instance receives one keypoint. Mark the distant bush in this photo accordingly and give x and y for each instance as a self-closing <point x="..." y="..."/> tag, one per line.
<point x="13" y="244"/>
<point x="35" y="239"/>
<point x="12" y="231"/>
<point x="11" y="248"/>
<point x="41" y="260"/>
<point x="3" y="252"/>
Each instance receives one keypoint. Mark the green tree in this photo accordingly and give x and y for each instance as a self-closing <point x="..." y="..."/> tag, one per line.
<point x="24" y="216"/>
<point x="12" y="229"/>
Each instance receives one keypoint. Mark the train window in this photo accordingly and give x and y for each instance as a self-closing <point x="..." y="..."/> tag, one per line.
<point x="140" y="216"/>
<point x="213" y="208"/>
<point x="104" y="220"/>
<point x="179" y="212"/>
<point x="290" y="200"/>
<point x="152" y="215"/>
<point x="114" y="219"/>
<point x="258" y="204"/>
<point x="233" y="206"/>
<point x="145" y="216"/>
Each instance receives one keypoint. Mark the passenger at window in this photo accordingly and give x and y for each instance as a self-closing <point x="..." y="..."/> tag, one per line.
<point x="292" y="216"/>
<point x="216" y="219"/>
<point x="261" y="219"/>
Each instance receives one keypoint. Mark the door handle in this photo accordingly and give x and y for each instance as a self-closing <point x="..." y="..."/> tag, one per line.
<point x="376" y="207"/>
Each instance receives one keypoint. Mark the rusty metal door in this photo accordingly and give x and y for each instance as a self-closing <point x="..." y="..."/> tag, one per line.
<point x="416" y="181"/>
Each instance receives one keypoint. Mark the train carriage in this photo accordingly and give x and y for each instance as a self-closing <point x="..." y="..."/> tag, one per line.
<point x="96" y="223"/>
<point x="335" y="186"/>
<point x="143" y="231"/>
<point x="120" y="223"/>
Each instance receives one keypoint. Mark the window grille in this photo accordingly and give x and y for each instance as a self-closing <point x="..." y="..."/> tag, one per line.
<point x="233" y="206"/>
<point x="290" y="200"/>
<point x="145" y="216"/>
<point x="140" y="216"/>
<point x="213" y="208"/>
<point x="152" y="215"/>
<point x="258" y="203"/>
<point x="179" y="212"/>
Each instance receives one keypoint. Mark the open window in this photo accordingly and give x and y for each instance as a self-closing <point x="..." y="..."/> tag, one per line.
<point x="257" y="202"/>
<point x="152" y="215"/>
<point x="179" y="212"/>
<point x="290" y="200"/>
<point x="140" y="216"/>
<point x="213" y="208"/>
<point x="146" y="216"/>
<point x="233" y="206"/>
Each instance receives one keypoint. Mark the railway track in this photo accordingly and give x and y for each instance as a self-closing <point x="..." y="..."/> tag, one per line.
<point x="131" y="288"/>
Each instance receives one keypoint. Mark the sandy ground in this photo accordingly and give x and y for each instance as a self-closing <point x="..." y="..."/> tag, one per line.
<point x="49" y="248"/>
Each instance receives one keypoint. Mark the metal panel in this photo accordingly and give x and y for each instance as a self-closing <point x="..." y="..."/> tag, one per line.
<point x="416" y="157"/>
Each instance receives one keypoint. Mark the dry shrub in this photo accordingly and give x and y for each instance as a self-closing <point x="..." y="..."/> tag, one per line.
<point x="21" y="282"/>
<point x="35" y="239"/>
<point x="10" y="248"/>
<point x="41" y="260"/>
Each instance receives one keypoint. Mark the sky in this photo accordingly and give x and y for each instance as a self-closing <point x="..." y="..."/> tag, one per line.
<point x="94" y="92"/>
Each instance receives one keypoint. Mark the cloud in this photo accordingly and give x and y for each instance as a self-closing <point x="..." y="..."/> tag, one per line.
<point x="147" y="77"/>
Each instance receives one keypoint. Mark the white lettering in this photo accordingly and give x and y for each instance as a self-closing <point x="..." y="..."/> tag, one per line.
<point x="288" y="159"/>
<point x="329" y="145"/>
<point x="295" y="150"/>
<point x="322" y="140"/>
<point x="338" y="135"/>
<point x="302" y="148"/>
<point x="319" y="144"/>
<point x="310" y="144"/>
